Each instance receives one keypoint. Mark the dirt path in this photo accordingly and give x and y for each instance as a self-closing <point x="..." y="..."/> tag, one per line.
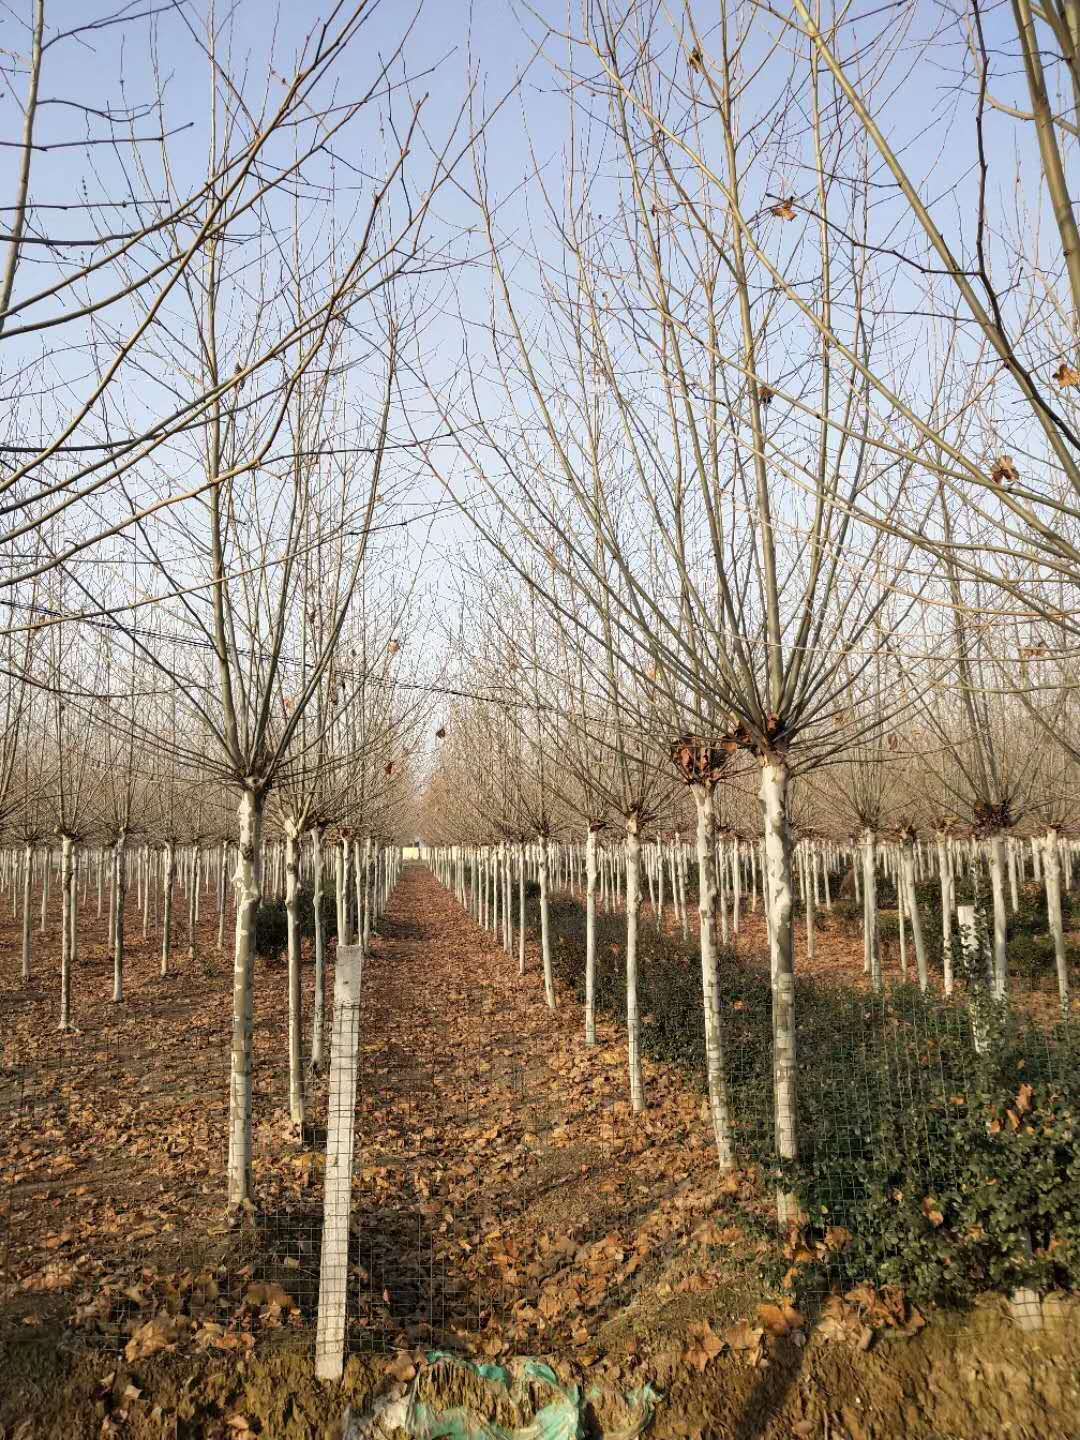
<point x="502" y="1186"/>
<point x="506" y="1203"/>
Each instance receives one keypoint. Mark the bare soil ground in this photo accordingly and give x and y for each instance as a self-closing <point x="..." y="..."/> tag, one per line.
<point x="507" y="1203"/>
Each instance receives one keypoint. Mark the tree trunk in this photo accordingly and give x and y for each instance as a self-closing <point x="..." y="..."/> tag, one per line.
<point x="369" y="847"/>
<point x="997" y="885"/>
<point x="774" y="803"/>
<point x="808" y="900"/>
<point x="292" y="919"/>
<point x="146" y="871"/>
<point x="945" y="880"/>
<point x="166" y="924"/>
<point x="73" y="914"/>
<point x="590" y="936"/>
<point x="633" y="907"/>
<point x="360" y="867"/>
<point x="222" y="863"/>
<point x="1051" y="867"/>
<point x="714" y="1041"/>
<point x="119" y="898"/>
<point x="28" y="875"/>
<point x="871" y="930"/>
<point x="907" y="870"/>
<point x="45" y="891"/>
<point x="317" y="1013"/>
<point x="681" y="868"/>
<point x="247" y="904"/>
<point x="341" y="894"/>
<point x="67" y="897"/>
<point x="545" y="928"/>
<point x="193" y="904"/>
<point x="521" y="908"/>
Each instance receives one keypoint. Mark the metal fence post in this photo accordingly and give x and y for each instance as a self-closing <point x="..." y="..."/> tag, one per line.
<point x="337" y="1194"/>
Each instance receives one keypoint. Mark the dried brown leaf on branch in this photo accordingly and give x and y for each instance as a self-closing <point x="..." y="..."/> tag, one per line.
<point x="785" y="209"/>
<point x="1067" y="376"/>
<point x="1005" y="471"/>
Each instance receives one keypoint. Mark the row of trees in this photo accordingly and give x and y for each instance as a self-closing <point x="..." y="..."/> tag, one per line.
<point x="203" y="555"/>
<point x="796" y="487"/>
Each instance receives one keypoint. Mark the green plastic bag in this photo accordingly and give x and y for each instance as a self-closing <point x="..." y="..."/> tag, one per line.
<point x="560" y="1417"/>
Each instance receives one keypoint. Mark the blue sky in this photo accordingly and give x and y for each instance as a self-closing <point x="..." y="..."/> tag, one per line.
<point x="451" y="43"/>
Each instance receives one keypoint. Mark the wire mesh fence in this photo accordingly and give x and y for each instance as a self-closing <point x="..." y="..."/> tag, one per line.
<point x="487" y="1198"/>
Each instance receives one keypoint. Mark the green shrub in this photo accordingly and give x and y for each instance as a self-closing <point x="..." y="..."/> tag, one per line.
<point x="980" y="1192"/>
<point x="901" y="1121"/>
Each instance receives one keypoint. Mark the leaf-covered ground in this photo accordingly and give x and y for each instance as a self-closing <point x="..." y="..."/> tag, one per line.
<point x="506" y="1201"/>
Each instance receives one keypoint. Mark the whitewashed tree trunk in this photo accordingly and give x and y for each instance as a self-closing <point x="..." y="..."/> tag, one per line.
<point x="292" y="920"/>
<point x="1051" y="867"/>
<point x="907" y="870"/>
<point x="73" y="912"/>
<point x="223" y="860"/>
<point x="317" y="1010"/>
<point x="590" y="935"/>
<point x="368" y="846"/>
<point x="119" y="899"/>
<point x="360" y="869"/>
<point x="67" y="896"/>
<point x="945" y="880"/>
<point x="901" y="918"/>
<point x="337" y="1185"/>
<point x="736" y="888"/>
<point x="545" y="926"/>
<point x="808" y="899"/>
<point x="972" y="945"/>
<point x="715" y="1069"/>
<point x="1014" y="892"/>
<point x="871" y="927"/>
<point x="521" y="909"/>
<point x="633" y="907"/>
<point x="778" y="900"/>
<point x="166" y="922"/>
<point x="145" y="870"/>
<point x="27" y="881"/>
<point x="45" y="889"/>
<point x="193" y="905"/>
<point x="247" y="904"/>
<point x="508" y="898"/>
<point x="680" y="871"/>
<point x="721" y="894"/>
<point x="341" y="894"/>
<point x="997" y="885"/>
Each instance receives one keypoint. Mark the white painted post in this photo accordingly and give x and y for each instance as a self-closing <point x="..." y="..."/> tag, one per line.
<point x="337" y="1193"/>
